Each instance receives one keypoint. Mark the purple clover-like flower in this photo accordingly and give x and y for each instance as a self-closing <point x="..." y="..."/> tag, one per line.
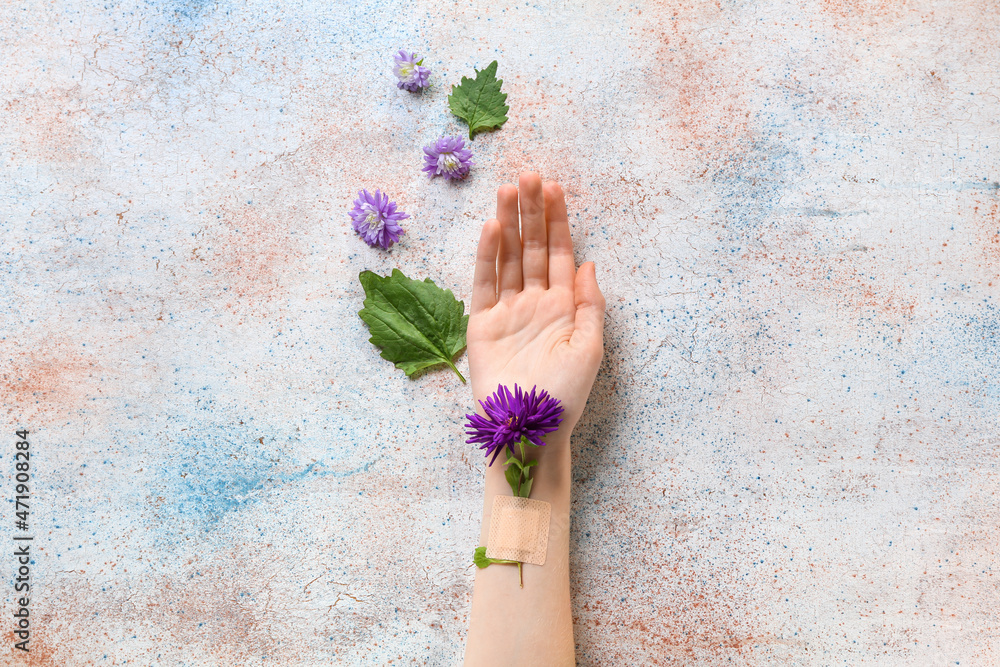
<point x="376" y="219"/>
<point x="411" y="74"/>
<point x="447" y="157"/>
<point x="509" y="417"/>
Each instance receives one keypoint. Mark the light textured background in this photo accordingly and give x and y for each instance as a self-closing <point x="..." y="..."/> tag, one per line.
<point x="789" y="457"/>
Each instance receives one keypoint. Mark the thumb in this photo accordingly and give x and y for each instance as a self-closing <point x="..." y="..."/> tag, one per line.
<point x="589" y="324"/>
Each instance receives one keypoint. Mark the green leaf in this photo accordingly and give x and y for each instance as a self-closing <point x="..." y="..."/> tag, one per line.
<point x="513" y="476"/>
<point x="415" y="323"/>
<point x="479" y="102"/>
<point x="527" y="465"/>
<point x="480" y="559"/>
<point x="526" y="487"/>
<point x="514" y="461"/>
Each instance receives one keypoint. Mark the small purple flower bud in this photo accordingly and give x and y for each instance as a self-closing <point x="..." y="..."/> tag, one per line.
<point x="376" y="219"/>
<point x="411" y="74"/>
<point x="447" y="157"/>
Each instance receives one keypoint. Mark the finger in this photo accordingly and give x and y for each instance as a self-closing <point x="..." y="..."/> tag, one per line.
<point x="484" y="284"/>
<point x="534" y="240"/>
<point x="510" y="242"/>
<point x="561" y="263"/>
<point x="589" y="325"/>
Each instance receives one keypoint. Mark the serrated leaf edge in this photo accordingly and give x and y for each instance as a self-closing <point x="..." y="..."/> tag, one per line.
<point x="368" y="311"/>
<point x="475" y="128"/>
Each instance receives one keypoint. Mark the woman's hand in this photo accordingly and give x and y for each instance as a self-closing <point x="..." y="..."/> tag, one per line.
<point x="536" y="320"/>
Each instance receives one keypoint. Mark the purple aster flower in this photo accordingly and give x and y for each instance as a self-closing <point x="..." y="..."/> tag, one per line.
<point x="448" y="157"/>
<point x="509" y="417"/>
<point x="411" y="74"/>
<point x="376" y="219"/>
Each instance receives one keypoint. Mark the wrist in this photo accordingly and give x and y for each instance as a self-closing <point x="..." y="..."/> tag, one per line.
<point x="552" y="481"/>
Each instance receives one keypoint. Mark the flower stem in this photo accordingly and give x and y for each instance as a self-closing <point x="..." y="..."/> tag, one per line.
<point x="456" y="372"/>
<point x="520" y="477"/>
<point x="525" y="472"/>
<point x="520" y="575"/>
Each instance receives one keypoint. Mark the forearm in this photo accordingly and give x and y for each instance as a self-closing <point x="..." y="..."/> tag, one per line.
<point x="533" y="625"/>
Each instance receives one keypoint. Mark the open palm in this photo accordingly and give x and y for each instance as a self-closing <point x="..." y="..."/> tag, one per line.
<point x="536" y="320"/>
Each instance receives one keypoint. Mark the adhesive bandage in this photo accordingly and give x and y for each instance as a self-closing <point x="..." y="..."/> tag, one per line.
<point x="519" y="530"/>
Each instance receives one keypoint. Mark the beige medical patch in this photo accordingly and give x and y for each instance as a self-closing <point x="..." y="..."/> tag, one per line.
<point x="519" y="530"/>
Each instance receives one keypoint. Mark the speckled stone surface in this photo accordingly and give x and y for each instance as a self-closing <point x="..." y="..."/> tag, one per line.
<point x="790" y="453"/>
